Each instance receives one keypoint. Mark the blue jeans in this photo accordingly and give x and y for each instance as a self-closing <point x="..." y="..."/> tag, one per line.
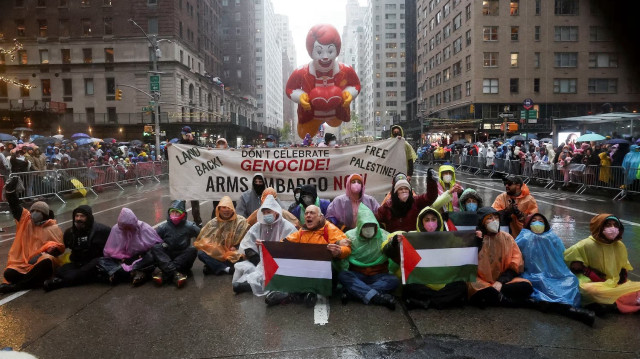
<point x="215" y="265"/>
<point x="366" y="287"/>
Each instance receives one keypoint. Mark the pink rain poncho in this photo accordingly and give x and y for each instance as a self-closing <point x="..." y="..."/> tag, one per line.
<point x="130" y="237"/>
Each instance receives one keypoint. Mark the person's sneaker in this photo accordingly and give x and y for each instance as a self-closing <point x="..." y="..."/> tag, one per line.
<point x="586" y="316"/>
<point x="276" y="298"/>
<point x="8" y="288"/>
<point x="207" y="271"/>
<point x="386" y="300"/>
<point x="138" y="278"/>
<point x="52" y="284"/>
<point x="241" y="287"/>
<point x="157" y="277"/>
<point x="310" y="299"/>
<point x="179" y="279"/>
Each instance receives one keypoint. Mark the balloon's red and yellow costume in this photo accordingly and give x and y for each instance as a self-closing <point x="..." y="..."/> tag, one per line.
<point x="324" y="88"/>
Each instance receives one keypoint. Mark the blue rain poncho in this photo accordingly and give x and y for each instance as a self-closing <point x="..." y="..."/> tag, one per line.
<point x="631" y="164"/>
<point x="545" y="268"/>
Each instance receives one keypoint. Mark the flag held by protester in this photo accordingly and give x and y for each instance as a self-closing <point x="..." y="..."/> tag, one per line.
<point x="296" y="267"/>
<point x="439" y="257"/>
<point x="467" y="221"/>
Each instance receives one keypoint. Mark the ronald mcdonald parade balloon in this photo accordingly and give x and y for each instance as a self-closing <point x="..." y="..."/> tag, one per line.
<point x="324" y="88"/>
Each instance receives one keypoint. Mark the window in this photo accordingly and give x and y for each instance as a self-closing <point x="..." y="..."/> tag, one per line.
<point x="23" y="59"/>
<point x="64" y="27"/>
<point x="490" y="59"/>
<point x="42" y="28"/>
<point x="63" y="3"/>
<point x="536" y="33"/>
<point x="44" y="56"/>
<point x="446" y="74"/>
<point x="536" y="85"/>
<point x="239" y="73"/>
<point x="152" y="2"/>
<point x="446" y="96"/>
<point x="86" y="27"/>
<point x="566" y="33"/>
<point x="447" y="9"/>
<point x="564" y="85"/>
<point x="390" y="26"/>
<point x="20" y="27"/>
<point x="91" y="114"/>
<point x="391" y="65"/>
<point x="152" y="25"/>
<point x="467" y="62"/>
<point x="67" y="88"/>
<point x="389" y="35"/>
<point x="88" y="87"/>
<point x="45" y="85"/>
<point x="447" y="52"/>
<point x="566" y="59"/>
<point x="457" y="45"/>
<point x="390" y="16"/>
<point x="112" y="115"/>
<point x="599" y="33"/>
<point x="438" y="38"/>
<point x="490" y="86"/>
<point x="438" y="79"/>
<point x="392" y="94"/>
<point x="566" y="7"/>
<point x="468" y="37"/>
<point x="107" y="2"/>
<point x="538" y="7"/>
<point x="536" y="60"/>
<point x="490" y="33"/>
<point x="457" y="22"/>
<point x="514" y="6"/>
<point x="108" y="55"/>
<point x="446" y="31"/>
<point x="457" y="68"/>
<point x="108" y="26"/>
<point x="514" y="59"/>
<point x="514" y="84"/>
<point x="24" y="92"/>
<point x="603" y="85"/>
<point x="87" y="55"/>
<point x="457" y="92"/>
<point x="111" y="88"/>
<point x="237" y="16"/>
<point x="467" y="88"/>
<point x="66" y="56"/>
<point x="490" y="7"/>
<point x="467" y="11"/>
<point x="603" y="59"/>
<point x="85" y="2"/>
<point x="515" y="30"/>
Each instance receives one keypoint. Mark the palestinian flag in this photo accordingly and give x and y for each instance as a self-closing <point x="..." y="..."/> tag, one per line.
<point x="296" y="267"/>
<point x="439" y="257"/>
<point x="468" y="221"/>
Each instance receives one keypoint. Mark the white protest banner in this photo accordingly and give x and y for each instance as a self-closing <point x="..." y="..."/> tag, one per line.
<point x="196" y="173"/>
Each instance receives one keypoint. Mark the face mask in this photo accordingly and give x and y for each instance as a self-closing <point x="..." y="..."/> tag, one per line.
<point x="447" y="178"/>
<point x="271" y="144"/>
<point x="431" y="226"/>
<point x="472" y="207"/>
<point x="537" y="227"/>
<point x="269" y="218"/>
<point x="356" y="187"/>
<point x="332" y="143"/>
<point x="493" y="226"/>
<point x="403" y="197"/>
<point x="368" y="232"/>
<point x="220" y="146"/>
<point x="259" y="188"/>
<point x="611" y="233"/>
<point x="297" y="197"/>
<point x="37" y="217"/>
<point x="176" y="218"/>
<point x="307" y="200"/>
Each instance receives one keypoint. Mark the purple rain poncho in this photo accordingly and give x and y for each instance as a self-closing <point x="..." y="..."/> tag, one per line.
<point x="129" y="238"/>
<point x="343" y="210"/>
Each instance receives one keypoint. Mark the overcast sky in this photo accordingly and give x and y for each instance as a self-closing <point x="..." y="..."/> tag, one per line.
<point x="304" y="14"/>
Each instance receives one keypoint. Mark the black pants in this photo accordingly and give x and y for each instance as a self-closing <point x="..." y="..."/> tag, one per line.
<point x="73" y="274"/>
<point x="34" y="278"/>
<point x="452" y="295"/>
<point x="168" y="261"/>
<point x="195" y="212"/>
<point x="513" y="292"/>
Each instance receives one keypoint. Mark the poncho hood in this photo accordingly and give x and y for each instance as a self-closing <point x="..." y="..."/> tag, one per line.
<point x="527" y="222"/>
<point x="226" y="202"/>
<point x="597" y="225"/>
<point x="350" y="194"/>
<point x="268" y="191"/>
<point x="366" y="252"/>
<point x="424" y="212"/>
<point x="398" y="127"/>
<point x="130" y="237"/>
<point x="87" y="211"/>
<point x="470" y="193"/>
<point x="270" y="203"/>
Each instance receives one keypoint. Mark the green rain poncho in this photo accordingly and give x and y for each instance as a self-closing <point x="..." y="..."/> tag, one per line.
<point x="365" y="252"/>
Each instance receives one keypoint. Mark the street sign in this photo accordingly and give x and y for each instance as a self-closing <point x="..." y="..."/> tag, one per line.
<point x="506" y="115"/>
<point x="527" y="103"/>
<point x="532" y="113"/>
<point x="147" y="109"/>
<point x="154" y="83"/>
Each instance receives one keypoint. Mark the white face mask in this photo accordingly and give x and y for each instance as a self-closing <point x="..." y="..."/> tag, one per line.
<point x="403" y="196"/>
<point x="493" y="226"/>
<point x="332" y="143"/>
<point x="368" y="232"/>
<point x="447" y="178"/>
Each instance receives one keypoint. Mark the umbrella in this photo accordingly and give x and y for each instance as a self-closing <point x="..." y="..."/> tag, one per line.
<point x="590" y="137"/>
<point x="136" y="143"/>
<point x="518" y="138"/>
<point x="6" y="137"/>
<point x="532" y="136"/>
<point x="45" y="141"/>
<point x="546" y="140"/>
<point x="80" y="135"/>
<point x="459" y="142"/>
<point x="96" y="140"/>
<point x="22" y="146"/>
<point x="18" y="129"/>
<point x="60" y="137"/>
<point x="110" y="140"/>
<point x="83" y="141"/>
<point x="174" y="140"/>
<point x="617" y="141"/>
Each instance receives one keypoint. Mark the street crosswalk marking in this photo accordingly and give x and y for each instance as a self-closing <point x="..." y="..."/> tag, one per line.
<point x="321" y="311"/>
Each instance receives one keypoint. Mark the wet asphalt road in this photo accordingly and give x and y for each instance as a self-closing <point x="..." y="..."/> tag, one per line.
<point x="207" y="320"/>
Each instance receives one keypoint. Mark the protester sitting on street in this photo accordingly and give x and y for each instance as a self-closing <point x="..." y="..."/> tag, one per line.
<point x="270" y="226"/>
<point x="500" y="265"/>
<point x="398" y="132"/>
<point x="218" y="240"/>
<point x="308" y="197"/>
<point x="86" y="240"/>
<point x="602" y="265"/>
<point x="470" y="200"/>
<point x="128" y="242"/>
<point x="316" y="230"/>
<point x="420" y="296"/>
<point x="365" y="275"/>
<point x="37" y="242"/>
<point x="343" y="210"/>
<point x="250" y="199"/>
<point x="555" y="288"/>
<point x="515" y="204"/>
<point x="286" y="215"/>
<point x="174" y="257"/>
<point x="447" y="182"/>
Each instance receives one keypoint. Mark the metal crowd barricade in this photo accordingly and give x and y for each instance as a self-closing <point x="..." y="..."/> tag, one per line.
<point x="104" y="176"/>
<point x="632" y="183"/>
<point x="543" y="172"/>
<point x="499" y="166"/>
<point x="161" y="168"/>
<point x="38" y="184"/>
<point x="75" y="179"/>
<point x="145" y="170"/>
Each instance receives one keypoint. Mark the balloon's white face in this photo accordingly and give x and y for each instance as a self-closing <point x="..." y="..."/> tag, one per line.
<point x="324" y="55"/>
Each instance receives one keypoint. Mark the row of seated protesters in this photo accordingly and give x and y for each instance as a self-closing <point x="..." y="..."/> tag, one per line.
<point x="532" y="270"/>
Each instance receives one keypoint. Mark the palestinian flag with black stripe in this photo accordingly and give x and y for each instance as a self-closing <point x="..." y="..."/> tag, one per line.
<point x="468" y="221"/>
<point x="439" y="257"/>
<point x="296" y="267"/>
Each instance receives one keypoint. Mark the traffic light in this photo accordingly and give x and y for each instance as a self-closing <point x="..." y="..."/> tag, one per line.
<point x="118" y="95"/>
<point x="472" y="108"/>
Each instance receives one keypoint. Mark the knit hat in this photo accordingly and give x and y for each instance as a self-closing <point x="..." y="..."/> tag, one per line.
<point x="401" y="183"/>
<point x="40" y="207"/>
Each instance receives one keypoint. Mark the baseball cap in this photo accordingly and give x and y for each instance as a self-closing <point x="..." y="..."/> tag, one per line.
<point x="186" y="129"/>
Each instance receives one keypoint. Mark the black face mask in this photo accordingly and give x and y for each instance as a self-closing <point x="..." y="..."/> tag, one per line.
<point x="259" y="188"/>
<point x="307" y="200"/>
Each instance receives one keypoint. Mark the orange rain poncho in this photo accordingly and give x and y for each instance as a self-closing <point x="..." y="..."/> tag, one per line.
<point x="219" y="235"/>
<point x="526" y="204"/>
<point x="31" y="240"/>
<point x="326" y="234"/>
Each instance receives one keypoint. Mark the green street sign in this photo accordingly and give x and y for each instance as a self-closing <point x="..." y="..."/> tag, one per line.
<point x="532" y="114"/>
<point x="154" y="83"/>
<point x="147" y="109"/>
<point x="523" y="114"/>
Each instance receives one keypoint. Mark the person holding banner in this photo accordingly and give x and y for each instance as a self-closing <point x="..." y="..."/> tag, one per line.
<point x="286" y="215"/>
<point x="500" y="265"/>
<point x="343" y="210"/>
<point x="398" y="132"/>
<point x="218" y="240"/>
<point x="271" y="226"/>
<point x="250" y="199"/>
<point x="515" y="204"/>
<point x="309" y="197"/>
<point x="555" y="288"/>
<point x="365" y="273"/>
